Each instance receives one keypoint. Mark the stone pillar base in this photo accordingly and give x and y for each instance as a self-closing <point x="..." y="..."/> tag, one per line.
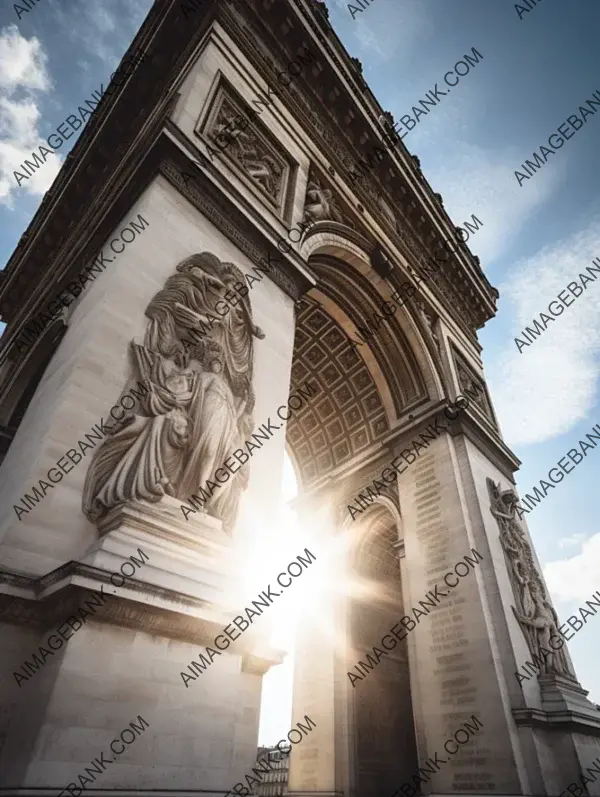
<point x="567" y="728"/>
<point x="187" y="556"/>
<point x="562" y="693"/>
<point x="124" y="658"/>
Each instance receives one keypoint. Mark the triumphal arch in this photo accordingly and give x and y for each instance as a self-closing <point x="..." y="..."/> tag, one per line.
<point x="240" y="257"/>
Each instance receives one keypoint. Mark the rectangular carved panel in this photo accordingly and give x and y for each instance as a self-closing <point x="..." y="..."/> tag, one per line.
<point x="234" y="132"/>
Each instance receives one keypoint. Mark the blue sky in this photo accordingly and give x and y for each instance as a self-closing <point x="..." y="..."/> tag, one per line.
<point x="536" y="238"/>
<point x="51" y="60"/>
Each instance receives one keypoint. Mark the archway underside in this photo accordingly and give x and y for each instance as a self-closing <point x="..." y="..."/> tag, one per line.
<point x="383" y="724"/>
<point x="348" y="417"/>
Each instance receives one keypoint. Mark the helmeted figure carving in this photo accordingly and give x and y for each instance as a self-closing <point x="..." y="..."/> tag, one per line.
<point x="533" y="610"/>
<point x="200" y="401"/>
<point x="430" y="321"/>
<point x="320" y="203"/>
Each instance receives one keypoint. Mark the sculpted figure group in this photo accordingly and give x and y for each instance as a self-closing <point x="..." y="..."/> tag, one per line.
<point x="200" y="404"/>
<point x="248" y="149"/>
<point x="534" y="611"/>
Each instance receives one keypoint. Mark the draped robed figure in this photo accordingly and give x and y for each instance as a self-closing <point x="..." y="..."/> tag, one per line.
<point x="142" y="458"/>
<point x="198" y="365"/>
<point x="533" y="609"/>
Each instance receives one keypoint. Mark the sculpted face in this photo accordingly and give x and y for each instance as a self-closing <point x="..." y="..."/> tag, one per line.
<point x="229" y="281"/>
<point x="178" y="384"/>
<point x="536" y="591"/>
<point x="180" y="422"/>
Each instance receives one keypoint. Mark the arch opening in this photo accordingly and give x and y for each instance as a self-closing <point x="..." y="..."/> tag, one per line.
<point x="361" y="395"/>
<point x="383" y="727"/>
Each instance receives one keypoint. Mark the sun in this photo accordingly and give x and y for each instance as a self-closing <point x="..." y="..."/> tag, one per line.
<point x="267" y="548"/>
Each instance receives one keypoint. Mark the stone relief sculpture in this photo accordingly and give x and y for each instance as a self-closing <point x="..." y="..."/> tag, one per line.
<point x="252" y="154"/>
<point x="467" y="380"/>
<point x="430" y="322"/>
<point x="533" y="609"/>
<point x="320" y="204"/>
<point x="200" y="403"/>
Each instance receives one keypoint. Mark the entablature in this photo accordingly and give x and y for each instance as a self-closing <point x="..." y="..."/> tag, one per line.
<point x="335" y="90"/>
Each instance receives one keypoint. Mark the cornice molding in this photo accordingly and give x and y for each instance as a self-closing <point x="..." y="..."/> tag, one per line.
<point x="94" y="174"/>
<point x="110" y="165"/>
<point x="479" y="430"/>
<point x="466" y="288"/>
<point x="572" y="721"/>
<point x="166" y="158"/>
<point x="45" y="603"/>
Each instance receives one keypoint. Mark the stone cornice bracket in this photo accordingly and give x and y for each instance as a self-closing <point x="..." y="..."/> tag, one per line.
<point x="477" y="428"/>
<point x="571" y="721"/>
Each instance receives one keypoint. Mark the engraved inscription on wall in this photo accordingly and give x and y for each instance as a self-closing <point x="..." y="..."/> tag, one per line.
<point x="453" y="686"/>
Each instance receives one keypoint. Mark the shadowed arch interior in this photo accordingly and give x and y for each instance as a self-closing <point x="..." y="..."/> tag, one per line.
<point x="360" y="301"/>
<point x="362" y="394"/>
<point x="347" y="416"/>
<point x="384" y="735"/>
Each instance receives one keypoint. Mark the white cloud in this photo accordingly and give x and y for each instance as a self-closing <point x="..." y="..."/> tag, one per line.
<point x="22" y="74"/>
<point x="547" y="389"/>
<point x="22" y="62"/>
<point x="471" y="179"/>
<point x="105" y="28"/>
<point x="576" y="578"/>
<point x="572" y="539"/>
<point x="474" y="180"/>
<point x="552" y="384"/>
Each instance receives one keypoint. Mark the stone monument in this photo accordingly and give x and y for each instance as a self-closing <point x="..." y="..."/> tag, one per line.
<point x="266" y="258"/>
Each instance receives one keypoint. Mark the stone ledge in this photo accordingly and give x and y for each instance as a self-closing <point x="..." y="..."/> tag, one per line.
<point x="573" y="721"/>
<point x="52" y="791"/>
<point x="45" y="603"/>
<point x="189" y="557"/>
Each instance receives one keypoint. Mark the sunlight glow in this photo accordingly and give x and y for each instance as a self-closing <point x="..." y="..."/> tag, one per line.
<point x="309" y="602"/>
<point x="265" y="548"/>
